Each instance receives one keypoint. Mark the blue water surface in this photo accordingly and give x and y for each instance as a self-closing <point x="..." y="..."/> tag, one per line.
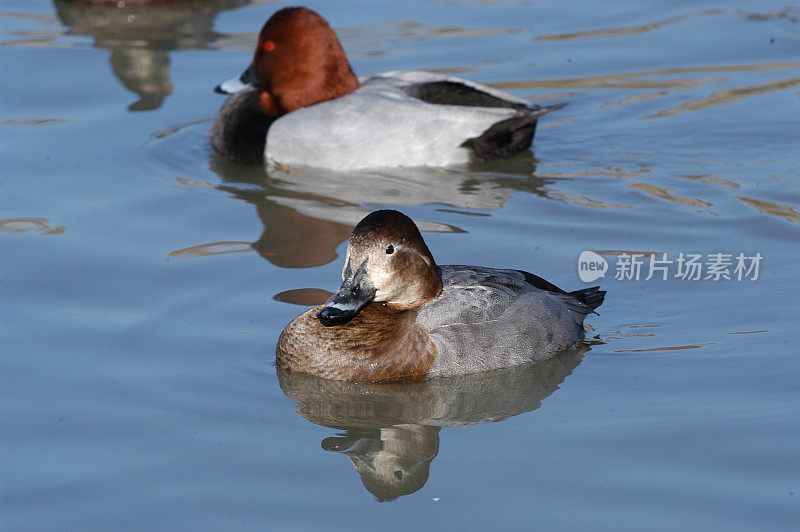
<point x="144" y="279"/>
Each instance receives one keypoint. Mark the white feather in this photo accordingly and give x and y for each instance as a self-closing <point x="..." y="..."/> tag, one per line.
<point x="380" y="125"/>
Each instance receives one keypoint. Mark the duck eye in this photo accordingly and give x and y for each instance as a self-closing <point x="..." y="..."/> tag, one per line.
<point x="268" y="46"/>
<point x="390" y="249"/>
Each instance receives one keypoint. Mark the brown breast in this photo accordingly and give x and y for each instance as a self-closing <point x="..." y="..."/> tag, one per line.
<point x="381" y="344"/>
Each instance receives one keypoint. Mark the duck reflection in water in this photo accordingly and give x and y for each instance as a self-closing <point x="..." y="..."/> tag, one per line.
<point x="392" y="461"/>
<point x="307" y="213"/>
<point x="140" y="36"/>
<point x="391" y="432"/>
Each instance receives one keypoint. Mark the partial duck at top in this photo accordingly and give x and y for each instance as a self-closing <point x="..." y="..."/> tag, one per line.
<point x="300" y="103"/>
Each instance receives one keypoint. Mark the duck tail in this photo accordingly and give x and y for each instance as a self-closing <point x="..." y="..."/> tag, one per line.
<point x="592" y="297"/>
<point x="509" y="136"/>
<point x="539" y="110"/>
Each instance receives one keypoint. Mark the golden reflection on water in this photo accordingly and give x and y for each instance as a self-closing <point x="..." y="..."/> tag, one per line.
<point x="703" y="178"/>
<point x="630" y="80"/>
<point x="166" y="132"/>
<point x="24" y="225"/>
<point x="451" y="70"/>
<point x="669" y="348"/>
<point x="625" y="80"/>
<point x="791" y="13"/>
<point x="560" y="96"/>
<point x="37" y="39"/>
<point x="41" y="18"/>
<point x="461" y="32"/>
<point x="583" y="201"/>
<point x="663" y="193"/>
<point x="786" y="212"/>
<point x="214" y="248"/>
<point x="33" y="121"/>
<point x="619" y="334"/>
<point x="411" y="30"/>
<point x="616" y="335"/>
<point x="605" y="171"/>
<point x="465" y="213"/>
<point x="728" y="95"/>
<point x="636" y="98"/>
<point x="628" y="30"/>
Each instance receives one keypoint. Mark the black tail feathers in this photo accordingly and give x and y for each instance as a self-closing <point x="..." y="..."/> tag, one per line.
<point x="592" y="297"/>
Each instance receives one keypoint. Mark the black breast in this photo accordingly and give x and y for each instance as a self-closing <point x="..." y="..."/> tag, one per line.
<point x="240" y="128"/>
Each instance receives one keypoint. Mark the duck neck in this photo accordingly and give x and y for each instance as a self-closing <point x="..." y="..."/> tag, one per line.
<point x="269" y="105"/>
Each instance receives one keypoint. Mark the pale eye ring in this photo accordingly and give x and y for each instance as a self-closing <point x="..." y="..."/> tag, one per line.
<point x="389" y="249"/>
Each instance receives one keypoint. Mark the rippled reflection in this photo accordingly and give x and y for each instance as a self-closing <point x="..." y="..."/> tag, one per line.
<point x="627" y="30"/>
<point x="24" y="225"/>
<point x="307" y="213"/>
<point x="214" y="248"/>
<point x="664" y="193"/>
<point x="33" y="121"/>
<point x="657" y="349"/>
<point x="583" y="200"/>
<point x="390" y="432"/>
<point x="141" y="35"/>
<point x="634" y="79"/>
<point x="787" y="212"/>
<point x="729" y="95"/>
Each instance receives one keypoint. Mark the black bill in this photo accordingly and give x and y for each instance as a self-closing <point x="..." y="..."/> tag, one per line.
<point x="354" y="294"/>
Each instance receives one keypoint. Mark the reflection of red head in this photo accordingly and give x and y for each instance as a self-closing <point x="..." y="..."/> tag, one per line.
<point x="293" y="240"/>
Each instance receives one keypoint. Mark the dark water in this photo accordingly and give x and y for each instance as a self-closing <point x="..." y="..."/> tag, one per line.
<point x="145" y="280"/>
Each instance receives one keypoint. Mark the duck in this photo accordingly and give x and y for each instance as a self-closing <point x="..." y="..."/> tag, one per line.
<point x="300" y="103"/>
<point x="397" y="316"/>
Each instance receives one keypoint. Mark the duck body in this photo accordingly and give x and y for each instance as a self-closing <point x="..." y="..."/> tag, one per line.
<point x="385" y="122"/>
<point x="325" y="116"/>
<point x="422" y="321"/>
<point x="489" y="318"/>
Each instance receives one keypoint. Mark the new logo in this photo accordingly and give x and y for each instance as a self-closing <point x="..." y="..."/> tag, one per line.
<point x="591" y="266"/>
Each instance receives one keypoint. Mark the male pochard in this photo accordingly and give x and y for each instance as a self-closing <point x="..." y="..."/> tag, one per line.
<point x="397" y="316"/>
<point x="300" y="103"/>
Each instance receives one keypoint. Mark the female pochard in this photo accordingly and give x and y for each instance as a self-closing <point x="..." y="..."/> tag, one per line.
<point x="398" y="316"/>
<point x="300" y="103"/>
